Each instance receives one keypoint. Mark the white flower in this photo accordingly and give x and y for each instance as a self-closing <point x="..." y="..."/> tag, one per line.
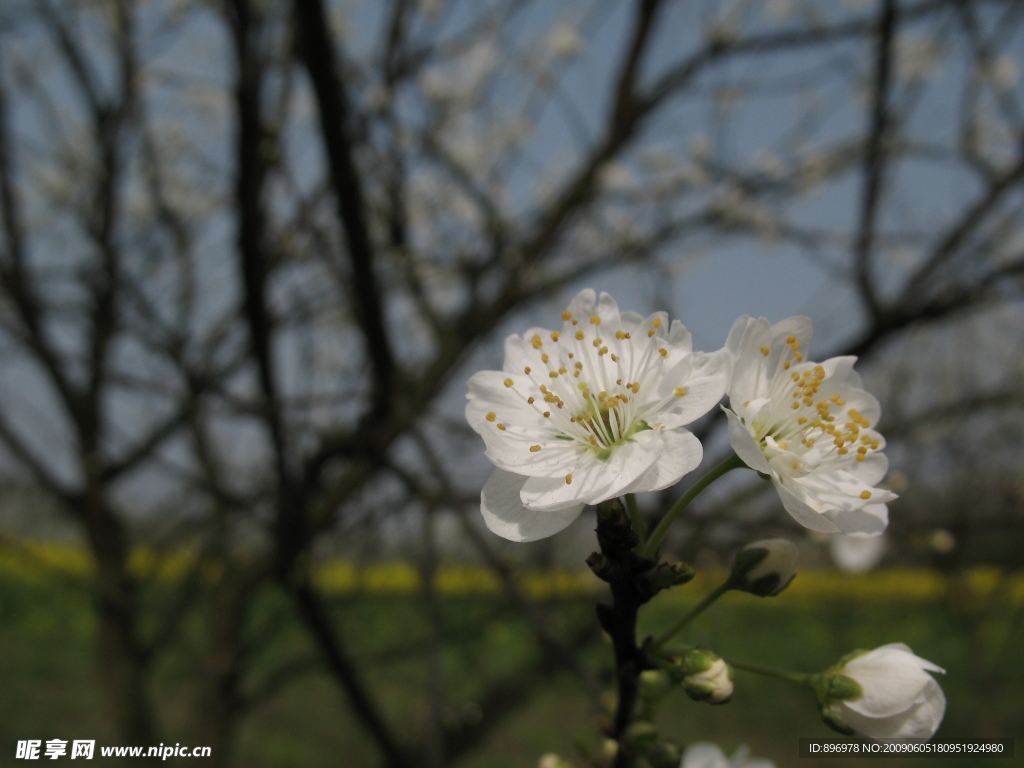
<point x="704" y="754"/>
<point x="898" y="698"/>
<point x="808" y="427"/>
<point x="765" y="567"/>
<point x="564" y="40"/>
<point x="856" y="554"/>
<point x="589" y="412"/>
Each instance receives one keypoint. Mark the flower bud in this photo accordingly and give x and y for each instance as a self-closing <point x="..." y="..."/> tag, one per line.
<point x="664" y="754"/>
<point x="654" y="685"/>
<point x="640" y="735"/>
<point x="706" y="676"/>
<point x="886" y="693"/>
<point x="764" y="568"/>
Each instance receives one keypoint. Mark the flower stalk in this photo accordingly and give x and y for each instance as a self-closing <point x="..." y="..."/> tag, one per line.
<point x="654" y="542"/>
<point x="808" y="680"/>
<point x="697" y="610"/>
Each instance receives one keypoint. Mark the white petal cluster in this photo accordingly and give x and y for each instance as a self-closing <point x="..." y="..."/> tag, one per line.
<point x="809" y="427"/>
<point x="704" y="754"/>
<point x="899" y="700"/>
<point x="588" y="412"/>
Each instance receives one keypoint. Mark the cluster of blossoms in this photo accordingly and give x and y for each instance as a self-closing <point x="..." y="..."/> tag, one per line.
<point x="599" y="408"/>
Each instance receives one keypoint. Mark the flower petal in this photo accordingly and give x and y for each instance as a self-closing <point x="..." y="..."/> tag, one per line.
<point x="630" y="461"/>
<point x="583" y="303"/>
<point x="869" y="520"/>
<point x="745" y="445"/>
<point x="704" y="754"/>
<point x="681" y="453"/>
<point x="705" y="386"/>
<point x="919" y="721"/>
<point x="892" y="677"/>
<point x="802" y="512"/>
<point x="505" y="515"/>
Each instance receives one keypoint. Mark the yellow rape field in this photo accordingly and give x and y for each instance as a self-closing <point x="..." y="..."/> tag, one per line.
<point x="35" y="561"/>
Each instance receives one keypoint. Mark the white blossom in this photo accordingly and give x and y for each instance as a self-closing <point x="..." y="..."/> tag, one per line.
<point x="704" y="754"/>
<point x="856" y="554"/>
<point x="589" y="412"/>
<point x="809" y="427"/>
<point x="564" y="41"/>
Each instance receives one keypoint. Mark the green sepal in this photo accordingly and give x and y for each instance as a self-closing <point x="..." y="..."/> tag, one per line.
<point x="843" y="688"/>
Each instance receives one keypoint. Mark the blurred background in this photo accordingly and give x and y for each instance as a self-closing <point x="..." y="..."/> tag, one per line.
<point x="251" y="250"/>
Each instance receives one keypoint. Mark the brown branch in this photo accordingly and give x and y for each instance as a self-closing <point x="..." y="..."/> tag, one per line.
<point x="315" y="50"/>
<point x="957" y="234"/>
<point x="15" y="277"/>
<point x="253" y="262"/>
<point x="875" y="158"/>
<point x="318" y="622"/>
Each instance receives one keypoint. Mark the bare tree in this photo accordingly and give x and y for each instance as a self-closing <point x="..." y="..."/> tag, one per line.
<point x="248" y="249"/>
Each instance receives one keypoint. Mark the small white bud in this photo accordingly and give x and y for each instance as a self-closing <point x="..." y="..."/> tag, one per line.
<point x="765" y="568"/>
<point x="706" y="676"/>
<point x="886" y="693"/>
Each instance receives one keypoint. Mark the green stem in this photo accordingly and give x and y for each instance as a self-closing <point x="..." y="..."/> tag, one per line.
<point x="680" y="625"/>
<point x="650" y="551"/>
<point x="635" y="520"/>
<point x="792" y="677"/>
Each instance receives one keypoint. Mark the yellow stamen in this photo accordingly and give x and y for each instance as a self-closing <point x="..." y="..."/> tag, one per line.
<point x="492" y="416"/>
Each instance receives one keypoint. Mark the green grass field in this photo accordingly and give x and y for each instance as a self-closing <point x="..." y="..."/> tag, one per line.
<point x="49" y="683"/>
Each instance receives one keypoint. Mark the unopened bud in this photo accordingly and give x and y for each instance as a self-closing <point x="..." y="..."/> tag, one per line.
<point x="600" y="565"/>
<point x="883" y="694"/>
<point x="640" y="735"/>
<point x="706" y="676"/>
<point x="654" y="684"/>
<point x="664" y="754"/>
<point x="764" y="568"/>
<point x="551" y="760"/>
